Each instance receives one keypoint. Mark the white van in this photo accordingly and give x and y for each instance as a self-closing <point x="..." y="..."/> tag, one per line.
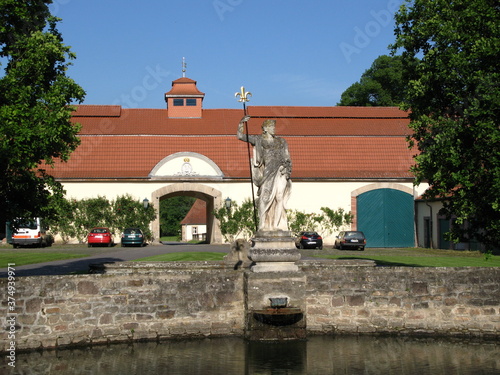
<point x="29" y="232"/>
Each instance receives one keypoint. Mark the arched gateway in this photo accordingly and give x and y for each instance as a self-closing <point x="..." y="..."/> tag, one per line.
<point x="211" y="196"/>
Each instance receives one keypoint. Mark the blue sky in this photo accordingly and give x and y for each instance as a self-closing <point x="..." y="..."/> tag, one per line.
<point x="285" y="52"/>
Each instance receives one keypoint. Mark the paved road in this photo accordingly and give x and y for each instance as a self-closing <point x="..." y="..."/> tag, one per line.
<point x="109" y="255"/>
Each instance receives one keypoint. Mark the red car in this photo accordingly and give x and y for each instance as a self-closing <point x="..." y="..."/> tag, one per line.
<point x="100" y="236"/>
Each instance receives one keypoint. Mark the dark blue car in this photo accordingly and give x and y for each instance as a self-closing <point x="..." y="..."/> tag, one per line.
<point x="133" y="237"/>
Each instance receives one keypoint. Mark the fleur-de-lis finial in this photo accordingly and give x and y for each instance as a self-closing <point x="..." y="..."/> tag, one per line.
<point x="243" y="95"/>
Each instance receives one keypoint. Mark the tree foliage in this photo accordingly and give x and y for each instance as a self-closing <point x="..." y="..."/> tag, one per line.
<point x="237" y="221"/>
<point x="454" y="98"/>
<point x="172" y="211"/>
<point x="35" y="94"/>
<point x="77" y="217"/>
<point x="380" y="85"/>
<point x="326" y="222"/>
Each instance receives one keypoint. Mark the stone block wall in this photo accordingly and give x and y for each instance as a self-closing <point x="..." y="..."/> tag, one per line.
<point x="137" y="303"/>
<point x="141" y="301"/>
<point x="403" y="300"/>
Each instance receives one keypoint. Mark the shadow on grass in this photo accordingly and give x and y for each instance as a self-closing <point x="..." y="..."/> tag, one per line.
<point x="381" y="263"/>
<point x="177" y="243"/>
<point x="61" y="267"/>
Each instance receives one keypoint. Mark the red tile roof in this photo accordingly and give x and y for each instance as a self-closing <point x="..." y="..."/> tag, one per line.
<point x="184" y="86"/>
<point x="324" y="142"/>
<point x="197" y="214"/>
<point x="362" y="122"/>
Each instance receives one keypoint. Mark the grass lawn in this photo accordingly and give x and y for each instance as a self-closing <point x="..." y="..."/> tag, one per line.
<point x="417" y="257"/>
<point x="176" y="239"/>
<point x="184" y="257"/>
<point x="409" y="261"/>
<point x="408" y="257"/>
<point x="169" y="238"/>
<point x="23" y="258"/>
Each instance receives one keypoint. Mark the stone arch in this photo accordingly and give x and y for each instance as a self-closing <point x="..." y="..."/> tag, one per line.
<point x="211" y="196"/>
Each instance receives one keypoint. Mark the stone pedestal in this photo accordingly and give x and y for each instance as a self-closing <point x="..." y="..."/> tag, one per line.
<point x="274" y="251"/>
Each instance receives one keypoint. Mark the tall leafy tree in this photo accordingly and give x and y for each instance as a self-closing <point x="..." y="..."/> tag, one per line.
<point x="380" y="85"/>
<point x="454" y="98"/>
<point x="172" y="211"/>
<point x="35" y="94"/>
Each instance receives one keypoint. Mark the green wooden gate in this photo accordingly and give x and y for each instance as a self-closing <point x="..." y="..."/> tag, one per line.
<point x="386" y="217"/>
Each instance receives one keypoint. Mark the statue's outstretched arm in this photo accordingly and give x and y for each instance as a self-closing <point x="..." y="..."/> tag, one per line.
<point x="241" y="131"/>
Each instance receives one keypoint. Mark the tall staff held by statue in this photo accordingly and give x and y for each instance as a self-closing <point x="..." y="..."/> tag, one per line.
<point x="243" y="97"/>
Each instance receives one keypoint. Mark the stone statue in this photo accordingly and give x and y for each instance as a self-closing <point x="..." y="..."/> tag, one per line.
<point x="271" y="169"/>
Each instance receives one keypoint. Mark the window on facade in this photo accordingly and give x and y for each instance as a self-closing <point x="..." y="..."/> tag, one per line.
<point x="178" y="102"/>
<point x="191" y="102"/>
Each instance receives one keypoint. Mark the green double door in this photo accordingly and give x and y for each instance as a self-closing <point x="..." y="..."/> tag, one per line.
<point x="386" y="218"/>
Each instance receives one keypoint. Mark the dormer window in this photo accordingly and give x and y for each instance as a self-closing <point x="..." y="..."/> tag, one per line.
<point x="184" y="100"/>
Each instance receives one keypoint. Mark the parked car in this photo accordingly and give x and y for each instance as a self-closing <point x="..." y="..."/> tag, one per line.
<point x="309" y="239"/>
<point x="100" y="236"/>
<point x="133" y="237"/>
<point x="350" y="239"/>
<point x="28" y="232"/>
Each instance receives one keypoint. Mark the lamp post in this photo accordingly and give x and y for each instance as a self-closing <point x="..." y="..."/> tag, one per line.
<point x="145" y="203"/>
<point x="227" y="202"/>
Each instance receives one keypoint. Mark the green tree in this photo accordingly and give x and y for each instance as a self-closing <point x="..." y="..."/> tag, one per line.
<point x="236" y="222"/>
<point x="380" y="85"/>
<point x="130" y="213"/>
<point x="35" y="94"/>
<point x="63" y="223"/>
<point x="76" y="218"/>
<point x="454" y="98"/>
<point x="326" y="222"/>
<point x="336" y="219"/>
<point x="302" y="221"/>
<point x="89" y="213"/>
<point x="172" y="211"/>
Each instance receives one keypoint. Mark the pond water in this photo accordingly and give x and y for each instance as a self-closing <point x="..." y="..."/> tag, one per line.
<point x="233" y="356"/>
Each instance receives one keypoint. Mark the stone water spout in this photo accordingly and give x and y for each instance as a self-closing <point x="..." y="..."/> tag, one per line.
<point x="279" y="314"/>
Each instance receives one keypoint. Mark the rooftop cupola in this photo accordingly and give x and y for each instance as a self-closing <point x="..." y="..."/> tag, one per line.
<point x="184" y="99"/>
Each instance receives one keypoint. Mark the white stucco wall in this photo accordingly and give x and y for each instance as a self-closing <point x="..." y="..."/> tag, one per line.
<point x="306" y="196"/>
<point x="187" y="232"/>
<point x="199" y="176"/>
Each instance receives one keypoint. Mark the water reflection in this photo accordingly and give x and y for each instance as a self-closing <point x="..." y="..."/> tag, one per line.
<point x="228" y="356"/>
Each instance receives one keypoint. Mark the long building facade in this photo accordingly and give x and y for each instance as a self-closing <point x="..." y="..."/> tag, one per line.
<point x="355" y="158"/>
